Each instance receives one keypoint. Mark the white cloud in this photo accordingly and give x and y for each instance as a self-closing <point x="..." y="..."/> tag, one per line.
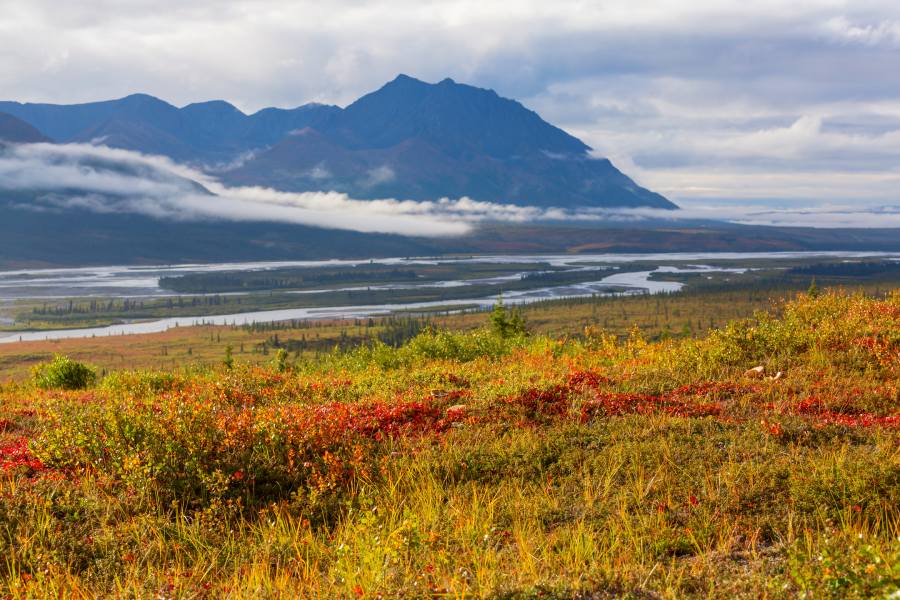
<point x="870" y="34"/>
<point x="683" y="90"/>
<point x="105" y="180"/>
<point x="379" y="175"/>
<point x="319" y="173"/>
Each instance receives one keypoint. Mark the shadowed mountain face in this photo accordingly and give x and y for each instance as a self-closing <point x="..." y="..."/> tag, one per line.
<point x="408" y="140"/>
<point x="18" y="131"/>
<point x="460" y="119"/>
<point x="420" y="141"/>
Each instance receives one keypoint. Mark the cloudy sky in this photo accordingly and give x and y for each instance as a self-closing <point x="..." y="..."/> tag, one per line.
<point x="734" y="103"/>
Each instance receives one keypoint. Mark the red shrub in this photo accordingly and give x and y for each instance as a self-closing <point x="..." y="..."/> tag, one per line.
<point x="15" y="455"/>
<point x="822" y="415"/>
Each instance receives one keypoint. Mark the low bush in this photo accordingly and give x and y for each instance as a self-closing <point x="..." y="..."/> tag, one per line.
<point x="63" y="373"/>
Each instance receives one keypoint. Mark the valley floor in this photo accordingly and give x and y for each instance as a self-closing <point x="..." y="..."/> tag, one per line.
<point x="693" y="312"/>
<point x="483" y="463"/>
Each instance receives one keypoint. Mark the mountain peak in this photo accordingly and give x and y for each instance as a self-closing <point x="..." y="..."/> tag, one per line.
<point x="460" y="118"/>
<point x="403" y="77"/>
<point x="219" y="106"/>
<point x="141" y="96"/>
<point x="141" y="99"/>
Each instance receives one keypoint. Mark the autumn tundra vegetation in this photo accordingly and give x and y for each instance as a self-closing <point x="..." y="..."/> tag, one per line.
<point x="488" y="463"/>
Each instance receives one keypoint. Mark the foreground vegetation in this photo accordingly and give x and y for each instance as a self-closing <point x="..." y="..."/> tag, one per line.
<point x="488" y="463"/>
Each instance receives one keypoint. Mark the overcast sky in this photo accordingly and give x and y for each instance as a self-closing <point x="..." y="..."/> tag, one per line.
<point x="707" y="102"/>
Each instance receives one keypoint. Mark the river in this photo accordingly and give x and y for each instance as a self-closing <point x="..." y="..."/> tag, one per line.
<point x="143" y="281"/>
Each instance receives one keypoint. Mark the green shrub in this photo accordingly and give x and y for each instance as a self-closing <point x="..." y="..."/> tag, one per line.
<point x="143" y="383"/>
<point x="462" y="347"/>
<point x="431" y="344"/>
<point x="63" y="373"/>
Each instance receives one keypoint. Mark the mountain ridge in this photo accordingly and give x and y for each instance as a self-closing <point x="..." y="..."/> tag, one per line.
<point x="409" y="140"/>
<point x="198" y="132"/>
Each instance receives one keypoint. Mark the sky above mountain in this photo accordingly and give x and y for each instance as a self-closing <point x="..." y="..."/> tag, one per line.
<point x="725" y="103"/>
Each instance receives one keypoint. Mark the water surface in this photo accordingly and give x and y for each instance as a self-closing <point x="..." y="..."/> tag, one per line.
<point x="131" y="281"/>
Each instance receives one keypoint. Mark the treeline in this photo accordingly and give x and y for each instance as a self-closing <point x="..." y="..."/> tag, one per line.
<point x="396" y="331"/>
<point x="567" y="276"/>
<point x="235" y="281"/>
<point x="126" y="305"/>
<point x="266" y="326"/>
<point x="94" y="306"/>
<point x="393" y="331"/>
<point x="848" y="269"/>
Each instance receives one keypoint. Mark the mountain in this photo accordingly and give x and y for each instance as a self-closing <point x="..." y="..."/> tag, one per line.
<point x="461" y="119"/>
<point x="420" y="141"/>
<point x="18" y="131"/>
<point x="205" y="134"/>
<point x="408" y="140"/>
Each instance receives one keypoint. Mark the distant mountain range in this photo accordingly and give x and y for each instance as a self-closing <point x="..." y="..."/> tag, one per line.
<point x="77" y="205"/>
<point x="203" y="133"/>
<point x="408" y="140"/>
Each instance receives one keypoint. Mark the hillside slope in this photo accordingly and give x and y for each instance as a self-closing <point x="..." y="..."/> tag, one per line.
<point x="17" y="131"/>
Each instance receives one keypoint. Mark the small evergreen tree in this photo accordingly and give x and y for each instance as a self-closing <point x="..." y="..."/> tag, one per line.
<point x="280" y="363"/>
<point x="517" y="324"/>
<point x="499" y="321"/>
<point x="507" y="323"/>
